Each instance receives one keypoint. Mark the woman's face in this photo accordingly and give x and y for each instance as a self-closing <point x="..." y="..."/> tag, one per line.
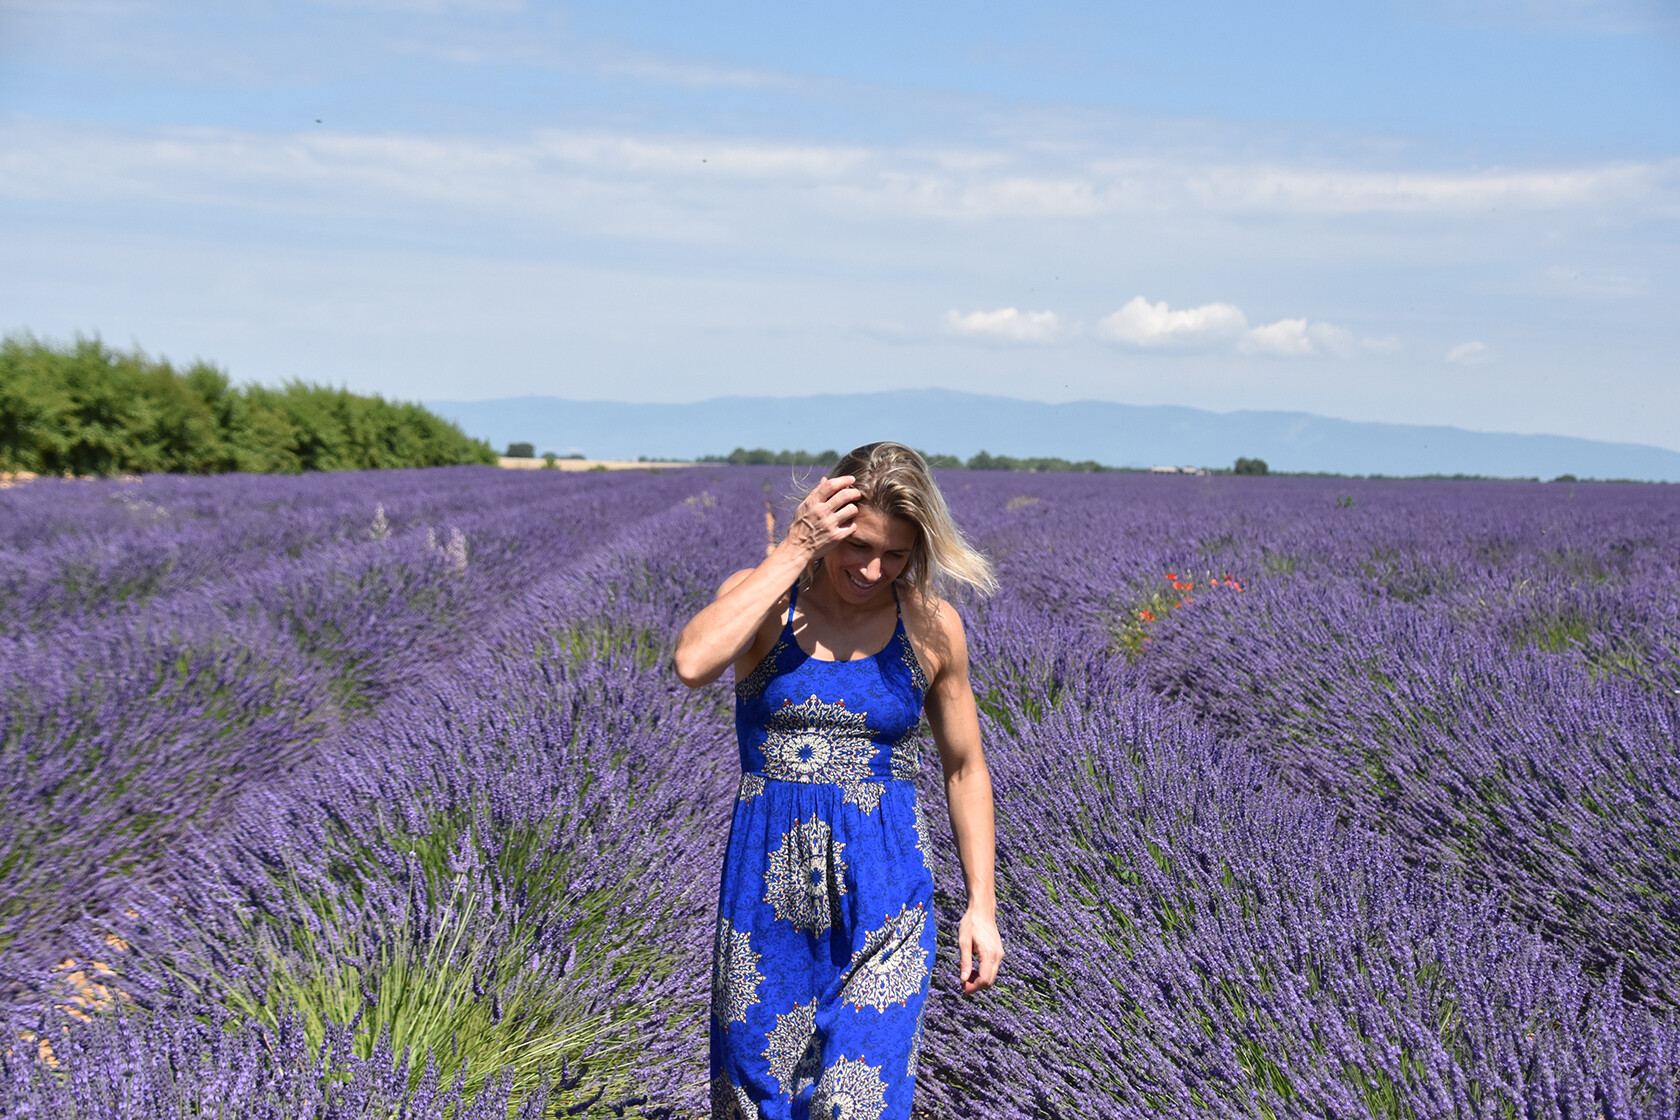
<point x="863" y="566"/>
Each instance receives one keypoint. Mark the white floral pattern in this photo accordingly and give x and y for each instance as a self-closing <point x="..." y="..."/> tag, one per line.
<point x="865" y="795"/>
<point x="814" y="741"/>
<point x="752" y="685"/>
<point x="907" y="754"/>
<point x="907" y="654"/>
<point x="806" y="876"/>
<point x="730" y="1101"/>
<point x="794" y="1054"/>
<point x="892" y="965"/>
<point x="850" y="1089"/>
<point x="735" y="974"/>
<point x="816" y="1010"/>
<point x="922" y="837"/>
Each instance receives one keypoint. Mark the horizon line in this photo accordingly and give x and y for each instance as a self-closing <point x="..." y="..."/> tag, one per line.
<point x="1047" y="404"/>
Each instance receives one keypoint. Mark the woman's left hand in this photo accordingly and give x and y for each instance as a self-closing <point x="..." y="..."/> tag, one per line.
<point x="981" y="949"/>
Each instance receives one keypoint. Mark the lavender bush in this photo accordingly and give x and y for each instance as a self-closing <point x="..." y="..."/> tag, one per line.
<point x="364" y="794"/>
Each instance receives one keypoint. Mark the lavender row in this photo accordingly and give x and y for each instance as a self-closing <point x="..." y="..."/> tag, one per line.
<point x="1511" y="768"/>
<point x="453" y="872"/>
<point x="1232" y="949"/>
<point x="123" y="730"/>
<point x="1487" y="673"/>
<point x="1185" y="934"/>
<point x="75" y="549"/>
<point x="198" y="1061"/>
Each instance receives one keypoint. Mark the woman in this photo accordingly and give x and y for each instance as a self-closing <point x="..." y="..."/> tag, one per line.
<point x="825" y="916"/>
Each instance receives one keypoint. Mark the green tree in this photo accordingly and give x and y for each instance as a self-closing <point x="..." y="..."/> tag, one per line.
<point x="89" y="410"/>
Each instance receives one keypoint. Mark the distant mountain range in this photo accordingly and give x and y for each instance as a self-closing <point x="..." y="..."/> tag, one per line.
<point x="941" y="420"/>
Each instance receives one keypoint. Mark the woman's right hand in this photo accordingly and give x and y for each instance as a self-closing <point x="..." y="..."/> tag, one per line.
<point x="824" y="518"/>
<point x="727" y="626"/>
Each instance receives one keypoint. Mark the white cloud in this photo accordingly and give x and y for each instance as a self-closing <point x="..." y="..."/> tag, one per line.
<point x="1297" y="338"/>
<point x="1282" y="189"/>
<point x="1336" y="341"/>
<point x="1470" y="354"/>
<point x="611" y="153"/>
<point x="1006" y="323"/>
<point x="694" y="76"/>
<point x="1286" y="338"/>
<point x="575" y="175"/>
<point x="1157" y="326"/>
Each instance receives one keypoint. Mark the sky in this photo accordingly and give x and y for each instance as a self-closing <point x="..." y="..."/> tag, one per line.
<point x="1439" y="211"/>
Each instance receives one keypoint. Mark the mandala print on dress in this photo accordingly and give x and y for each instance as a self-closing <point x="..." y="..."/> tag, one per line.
<point x="907" y="653"/>
<point x="751" y="786"/>
<point x="892" y="965"/>
<point x="794" y="1056"/>
<point x="752" y="685"/>
<point x="922" y="838"/>
<point x="730" y="1101"/>
<point x="816" y="742"/>
<point x="907" y="754"/>
<point x="735" y="974"/>
<point x="805" y="876"/>
<point x="850" y="1090"/>
<point x="865" y="795"/>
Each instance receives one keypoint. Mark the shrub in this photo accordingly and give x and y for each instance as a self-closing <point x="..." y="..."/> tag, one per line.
<point x="86" y="409"/>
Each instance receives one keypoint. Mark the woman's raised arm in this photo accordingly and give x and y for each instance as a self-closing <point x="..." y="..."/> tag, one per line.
<point x="715" y="637"/>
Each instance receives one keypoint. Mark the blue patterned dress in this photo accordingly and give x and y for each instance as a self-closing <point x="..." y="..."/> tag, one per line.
<point x="825" y="935"/>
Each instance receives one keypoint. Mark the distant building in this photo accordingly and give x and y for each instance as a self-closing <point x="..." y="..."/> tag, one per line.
<point x="1197" y="471"/>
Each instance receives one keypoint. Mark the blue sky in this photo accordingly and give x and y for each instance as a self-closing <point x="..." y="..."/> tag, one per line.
<point x="1436" y="212"/>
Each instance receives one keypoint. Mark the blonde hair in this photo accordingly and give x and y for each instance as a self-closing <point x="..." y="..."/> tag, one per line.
<point x="895" y="480"/>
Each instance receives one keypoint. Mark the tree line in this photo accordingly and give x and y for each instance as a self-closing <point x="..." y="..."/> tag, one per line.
<point x="763" y="456"/>
<point x="87" y="409"/>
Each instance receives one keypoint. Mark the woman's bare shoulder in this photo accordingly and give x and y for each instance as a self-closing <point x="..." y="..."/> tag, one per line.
<point x="935" y="629"/>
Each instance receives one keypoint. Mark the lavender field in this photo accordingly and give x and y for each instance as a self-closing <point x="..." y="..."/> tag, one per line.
<point x="373" y="795"/>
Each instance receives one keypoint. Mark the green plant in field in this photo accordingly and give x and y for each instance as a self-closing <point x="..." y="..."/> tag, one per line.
<point x="1564" y="631"/>
<point x="494" y="971"/>
<point x="589" y="641"/>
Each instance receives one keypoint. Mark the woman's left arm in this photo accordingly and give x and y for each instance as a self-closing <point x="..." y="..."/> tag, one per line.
<point x="955" y="722"/>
